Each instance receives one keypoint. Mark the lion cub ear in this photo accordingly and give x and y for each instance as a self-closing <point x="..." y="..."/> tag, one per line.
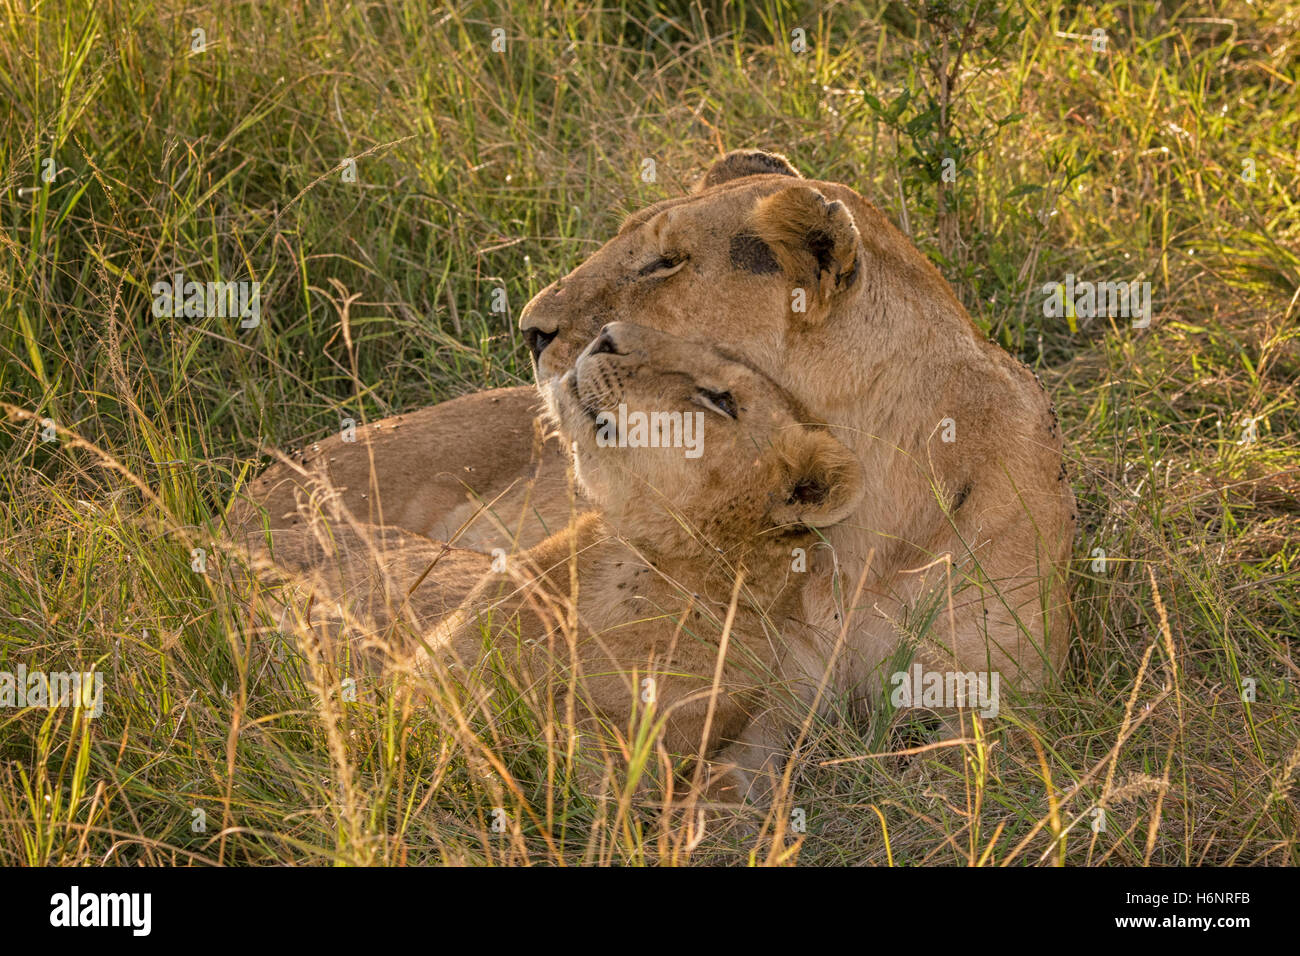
<point x="822" y="482"/>
<point x="815" y="241"/>
<point x="746" y="162"/>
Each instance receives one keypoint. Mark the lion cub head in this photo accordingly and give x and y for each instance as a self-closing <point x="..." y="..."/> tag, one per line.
<point x="687" y="450"/>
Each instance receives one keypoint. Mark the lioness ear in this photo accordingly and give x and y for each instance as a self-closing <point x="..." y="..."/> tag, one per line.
<point x="815" y="241"/>
<point x="746" y="162"/>
<point x="822" y="481"/>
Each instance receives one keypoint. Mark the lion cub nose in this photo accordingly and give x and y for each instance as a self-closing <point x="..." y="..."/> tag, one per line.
<point x="604" y="343"/>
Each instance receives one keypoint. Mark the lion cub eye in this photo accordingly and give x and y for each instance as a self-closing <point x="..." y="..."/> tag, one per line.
<point x="663" y="267"/>
<point x="720" y="402"/>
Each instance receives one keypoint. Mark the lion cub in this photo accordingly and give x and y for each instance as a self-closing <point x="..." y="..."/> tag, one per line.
<point x="707" y="478"/>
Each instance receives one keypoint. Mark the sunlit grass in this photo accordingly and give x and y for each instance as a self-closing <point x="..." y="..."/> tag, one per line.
<point x="480" y="170"/>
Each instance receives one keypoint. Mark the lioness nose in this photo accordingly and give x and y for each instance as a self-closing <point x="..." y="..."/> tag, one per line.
<point x="537" y="341"/>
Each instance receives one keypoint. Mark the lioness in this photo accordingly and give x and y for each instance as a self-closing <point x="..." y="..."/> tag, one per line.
<point x="966" y="507"/>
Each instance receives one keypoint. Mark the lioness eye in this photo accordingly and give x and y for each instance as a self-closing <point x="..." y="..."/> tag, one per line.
<point x="720" y="402"/>
<point x="663" y="266"/>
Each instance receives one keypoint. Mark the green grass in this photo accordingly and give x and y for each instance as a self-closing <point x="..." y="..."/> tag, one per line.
<point x="479" y="170"/>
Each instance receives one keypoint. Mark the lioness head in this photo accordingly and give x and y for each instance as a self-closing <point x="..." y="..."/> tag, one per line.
<point x="685" y="448"/>
<point x="758" y="261"/>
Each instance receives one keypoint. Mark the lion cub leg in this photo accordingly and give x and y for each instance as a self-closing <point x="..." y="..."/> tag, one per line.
<point x="748" y="770"/>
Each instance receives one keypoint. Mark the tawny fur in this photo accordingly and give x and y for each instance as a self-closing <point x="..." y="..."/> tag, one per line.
<point x="657" y="567"/>
<point x="884" y="352"/>
<point x="640" y="590"/>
